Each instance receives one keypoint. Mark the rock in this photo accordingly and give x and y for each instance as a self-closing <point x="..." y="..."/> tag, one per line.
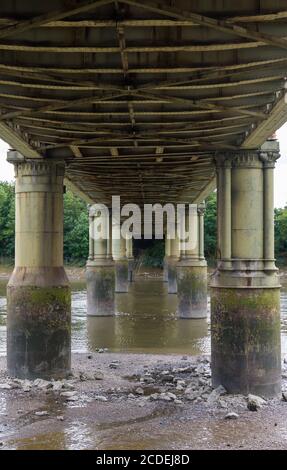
<point x="181" y="383"/>
<point x="99" y="376"/>
<point x="100" y="398"/>
<point x="284" y="396"/>
<point x="73" y="398"/>
<point x="171" y="395"/>
<point x="113" y="365"/>
<point x="198" y="400"/>
<point x="57" y="386"/>
<point x="139" y="391"/>
<point x="254" y="402"/>
<point x="164" y="397"/>
<point x="43" y="384"/>
<point x="68" y="394"/>
<point x="215" y="394"/>
<point x="60" y="418"/>
<point x="131" y="395"/>
<point x="5" y="386"/>
<point x="178" y="402"/>
<point x="41" y="413"/>
<point x="154" y="396"/>
<point x="184" y="358"/>
<point x="231" y="415"/>
<point x="202" y="381"/>
<point x="222" y="404"/>
<point x="68" y="385"/>
<point x="180" y="388"/>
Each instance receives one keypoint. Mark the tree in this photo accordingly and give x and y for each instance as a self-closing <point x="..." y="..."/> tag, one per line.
<point x="7" y="219"/>
<point x="76" y="229"/>
<point x="210" y="226"/>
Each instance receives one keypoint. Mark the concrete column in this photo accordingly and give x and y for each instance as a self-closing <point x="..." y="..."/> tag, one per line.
<point x="130" y="257"/>
<point x="121" y="260"/>
<point x="166" y="259"/>
<point x="100" y="269"/>
<point x="38" y="292"/>
<point x="172" y="265"/>
<point x="192" y="267"/>
<point x="245" y="288"/>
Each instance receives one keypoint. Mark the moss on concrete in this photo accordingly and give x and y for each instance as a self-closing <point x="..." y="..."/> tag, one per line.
<point x="39" y="331"/>
<point x="245" y="336"/>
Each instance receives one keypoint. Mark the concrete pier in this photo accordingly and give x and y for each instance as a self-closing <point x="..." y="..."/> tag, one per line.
<point x="172" y="265"/>
<point x="130" y="257"/>
<point x="245" y="288"/>
<point x="100" y="270"/>
<point x="192" y="268"/>
<point x="38" y="292"/>
<point x="166" y="259"/>
<point x="121" y="260"/>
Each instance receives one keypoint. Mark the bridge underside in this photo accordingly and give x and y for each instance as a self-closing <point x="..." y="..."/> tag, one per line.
<point x="147" y="101"/>
<point x="138" y="96"/>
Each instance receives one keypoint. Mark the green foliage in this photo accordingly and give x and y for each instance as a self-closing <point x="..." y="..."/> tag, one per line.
<point x="7" y="220"/>
<point x="154" y="254"/>
<point x="280" y="218"/>
<point x="76" y="236"/>
<point x="210" y="227"/>
<point x="76" y="229"/>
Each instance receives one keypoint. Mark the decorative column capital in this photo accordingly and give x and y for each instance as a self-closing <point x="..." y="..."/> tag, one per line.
<point x="201" y="209"/>
<point x="35" y="167"/>
<point x="269" y="158"/>
<point x="240" y="158"/>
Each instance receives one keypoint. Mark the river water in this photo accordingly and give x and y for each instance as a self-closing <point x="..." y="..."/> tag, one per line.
<point x="145" y="321"/>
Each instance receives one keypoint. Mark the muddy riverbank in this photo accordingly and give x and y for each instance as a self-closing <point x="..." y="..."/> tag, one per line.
<point x="136" y="401"/>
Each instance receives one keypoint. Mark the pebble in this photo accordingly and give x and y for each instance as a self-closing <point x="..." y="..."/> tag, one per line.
<point x="5" y="386"/>
<point x="60" y="418"/>
<point x="113" y="365"/>
<point x="284" y="396"/>
<point x="231" y="415"/>
<point x="68" y="394"/>
<point x="43" y="384"/>
<point x="58" y="385"/>
<point x="215" y="394"/>
<point x="139" y="391"/>
<point x="73" y="398"/>
<point x="100" y="398"/>
<point x="99" y="376"/>
<point x="41" y="413"/>
<point x="154" y="396"/>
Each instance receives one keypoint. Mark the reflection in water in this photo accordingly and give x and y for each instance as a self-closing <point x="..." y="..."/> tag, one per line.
<point x="146" y="321"/>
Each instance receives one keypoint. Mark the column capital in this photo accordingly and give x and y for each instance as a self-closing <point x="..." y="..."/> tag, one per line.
<point x="35" y="167"/>
<point x="241" y="158"/>
<point x="269" y="158"/>
<point x="201" y="209"/>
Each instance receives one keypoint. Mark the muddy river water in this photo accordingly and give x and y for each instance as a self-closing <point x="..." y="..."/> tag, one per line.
<point x="145" y="321"/>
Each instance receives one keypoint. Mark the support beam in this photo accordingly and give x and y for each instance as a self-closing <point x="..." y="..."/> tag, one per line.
<point x="245" y="288"/>
<point x="218" y="25"/>
<point x="38" y="293"/>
